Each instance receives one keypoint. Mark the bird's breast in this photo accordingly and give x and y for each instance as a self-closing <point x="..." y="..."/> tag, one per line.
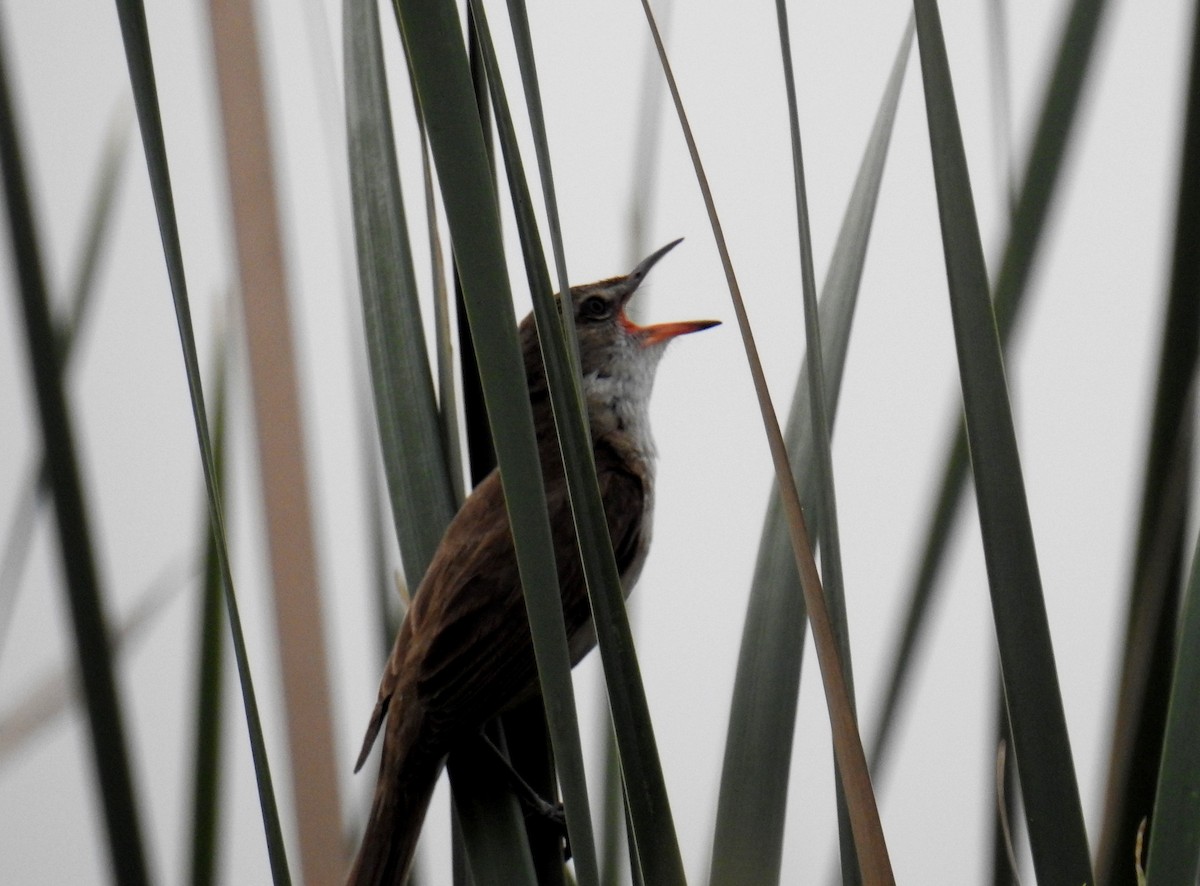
<point x="618" y="407"/>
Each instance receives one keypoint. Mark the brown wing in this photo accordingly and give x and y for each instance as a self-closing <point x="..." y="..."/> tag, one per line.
<point x="481" y="661"/>
<point x="465" y="652"/>
<point x="623" y="491"/>
<point x="481" y="523"/>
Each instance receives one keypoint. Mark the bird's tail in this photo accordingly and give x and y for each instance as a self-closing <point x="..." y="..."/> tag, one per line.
<point x="407" y="776"/>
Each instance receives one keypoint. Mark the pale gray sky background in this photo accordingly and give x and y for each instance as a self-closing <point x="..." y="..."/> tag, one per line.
<point x="1080" y="374"/>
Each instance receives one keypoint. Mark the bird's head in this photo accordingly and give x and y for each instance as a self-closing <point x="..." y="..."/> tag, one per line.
<point x="618" y="357"/>
<point x="611" y="343"/>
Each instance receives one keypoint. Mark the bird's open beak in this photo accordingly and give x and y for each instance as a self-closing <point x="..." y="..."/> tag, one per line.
<point x="661" y="332"/>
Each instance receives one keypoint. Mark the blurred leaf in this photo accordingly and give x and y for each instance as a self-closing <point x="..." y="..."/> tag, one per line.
<point x="481" y="454"/>
<point x="614" y="852"/>
<point x="68" y="329"/>
<point x="647" y="135"/>
<point x="84" y="594"/>
<point x="444" y="338"/>
<point x="851" y="762"/>
<point x="829" y="538"/>
<point x="1055" y="818"/>
<point x="1059" y="108"/>
<point x="422" y="497"/>
<point x="1004" y="855"/>
<point x="136" y="39"/>
<point x="519" y="22"/>
<point x="1000" y="58"/>
<point x="748" y="844"/>
<point x="17" y="542"/>
<point x="1003" y="865"/>
<point x="279" y="439"/>
<point x="1175" y="824"/>
<point x="384" y="581"/>
<point x="96" y="230"/>
<point x="210" y="670"/>
<point x="50" y="697"/>
<point x="1136" y="763"/>
<point x="613" y="826"/>
<point x="1004" y="811"/>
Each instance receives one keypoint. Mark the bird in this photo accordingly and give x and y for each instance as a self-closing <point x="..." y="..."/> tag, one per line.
<point x="463" y="653"/>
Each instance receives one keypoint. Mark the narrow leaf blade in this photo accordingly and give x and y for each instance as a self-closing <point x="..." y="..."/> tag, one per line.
<point x="433" y="37"/>
<point x="1175" y="824"/>
<point x="1160" y="556"/>
<point x="1053" y="812"/>
<point x="135" y="36"/>
<point x="283" y="471"/>
<point x="560" y="705"/>
<point x="84" y="593"/>
<point x="851" y="761"/>
<point x="1041" y="174"/>
<point x="418" y="477"/>
<point x="748" y="843"/>
<point x="206" y="759"/>
<point x="69" y="329"/>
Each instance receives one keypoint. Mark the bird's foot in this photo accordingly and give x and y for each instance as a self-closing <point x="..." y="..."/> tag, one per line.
<point x="553" y="814"/>
<point x="531" y="801"/>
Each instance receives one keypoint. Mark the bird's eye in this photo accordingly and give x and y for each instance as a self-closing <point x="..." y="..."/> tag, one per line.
<point x="594" y="308"/>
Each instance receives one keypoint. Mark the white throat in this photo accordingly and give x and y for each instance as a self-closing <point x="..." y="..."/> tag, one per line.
<point x="619" y="396"/>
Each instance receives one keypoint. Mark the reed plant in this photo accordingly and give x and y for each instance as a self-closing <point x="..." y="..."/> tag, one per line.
<point x="1006" y="697"/>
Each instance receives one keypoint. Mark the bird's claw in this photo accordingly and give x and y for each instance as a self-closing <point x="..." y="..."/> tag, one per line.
<point x="531" y="800"/>
<point x="555" y="815"/>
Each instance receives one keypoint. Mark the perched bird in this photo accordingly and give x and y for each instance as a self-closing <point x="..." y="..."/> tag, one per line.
<point x="464" y="653"/>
